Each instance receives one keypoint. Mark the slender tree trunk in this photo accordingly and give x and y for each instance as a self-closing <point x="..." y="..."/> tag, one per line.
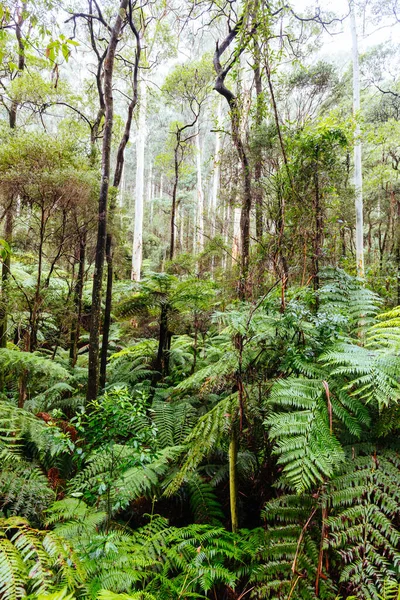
<point x="37" y="296"/>
<point x="93" y="371"/>
<point x="258" y="192"/>
<point x="163" y="342"/>
<point x="174" y="201"/>
<point x="357" y="148"/>
<point x="9" y="217"/>
<point x="5" y="271"/>
<point x="217" y="169"/>
<point x="282" y="203"/>
<point x="318" y="228"/>
<point x="200" y="194"/>
<point x="118" y="177"/>
<point x="139" y="195"/>
<point x="78" y="291"/>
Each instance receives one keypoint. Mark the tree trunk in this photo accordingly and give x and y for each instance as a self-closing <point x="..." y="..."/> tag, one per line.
<point x="243" y="158"/>
<point x="93" y="371"/>
<point x="174" y="201"/>
<point x="357" y="149"/>
<point x="118" y="178"/>
<point x="318" y="228"/>
<point x="9" y="220"/>
<point x="78" y="291"/>
<point x="200" y="194"/>
<point x="217" y="169"/>
<point x="139" y="195"/>
<point x="163" y="342"/>
<point x="5" y="271"/>
<point x="258" y="192"/>
<point x="233" y="491"/>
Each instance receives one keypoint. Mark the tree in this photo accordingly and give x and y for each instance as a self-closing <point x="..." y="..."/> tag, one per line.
<point x="357" y="148"/>
<point x="188" y="86"/>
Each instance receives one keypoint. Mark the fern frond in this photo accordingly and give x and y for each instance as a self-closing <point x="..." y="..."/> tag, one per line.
<point x="304" y="443"/>
<point x="205" y="437"/>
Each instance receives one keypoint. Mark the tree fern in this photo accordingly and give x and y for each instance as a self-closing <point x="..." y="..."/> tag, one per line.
<point x="287" y="561"/>
<point x="203" y="501"/>
<point x="386" y="332"/>
<point x="33" y="561"/>
<point x="344" y="295"/>
<point x="364" y="504"/>
<point x="370" y="375"/>
<point x="41" y="372"/>
<point x="206" y="436"/>
<point x="306" y="447"/>
<point x="174" y="421"/>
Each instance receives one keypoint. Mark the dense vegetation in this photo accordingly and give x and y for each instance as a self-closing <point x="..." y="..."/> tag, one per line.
<point x="199" y="336"/>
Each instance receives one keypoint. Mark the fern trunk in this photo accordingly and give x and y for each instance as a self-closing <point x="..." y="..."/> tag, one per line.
<point x="233" y="481"/>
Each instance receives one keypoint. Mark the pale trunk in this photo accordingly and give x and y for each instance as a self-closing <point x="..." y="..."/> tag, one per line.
<point x="236" y="250"/>
<point x="216" y="175"/>
<point x="181" y="227"/>
<point x="357" y="149"/>
<point x="139" y="194"/>
<point x="149" y="184"/>
<point x="200" y="195"/>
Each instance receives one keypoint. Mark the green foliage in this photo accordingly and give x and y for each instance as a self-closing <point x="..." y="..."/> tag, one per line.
<point x="305" y="445"/>
<point x="363" y="503"/>
<point x="33" y="561"/>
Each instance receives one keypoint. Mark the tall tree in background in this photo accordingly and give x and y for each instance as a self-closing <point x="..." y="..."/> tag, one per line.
<point x="137" y="249"/>
<point x="357" y="147"/>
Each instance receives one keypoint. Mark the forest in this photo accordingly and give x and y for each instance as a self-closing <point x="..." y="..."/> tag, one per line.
<point x="199" y="300"/>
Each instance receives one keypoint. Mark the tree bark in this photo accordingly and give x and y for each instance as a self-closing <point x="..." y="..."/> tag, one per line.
<point x="93" y="372"/>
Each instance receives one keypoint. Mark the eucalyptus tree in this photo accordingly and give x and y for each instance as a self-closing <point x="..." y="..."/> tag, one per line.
<point x="112" y="26"/>
<point x="357" y="147"/>
<point x="188" y="88"/>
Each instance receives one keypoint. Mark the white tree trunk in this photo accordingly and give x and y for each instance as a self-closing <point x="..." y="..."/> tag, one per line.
<point x="181" y="226"/>
<point x="226" y="221"/>
<point x="236" y="234"/>
<point x="217" y="170"/>
<point x="200" y="194"/>
<point x="357" y="148"/>
<point x="139" y="194"/>
<point x="149" y="183"/>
